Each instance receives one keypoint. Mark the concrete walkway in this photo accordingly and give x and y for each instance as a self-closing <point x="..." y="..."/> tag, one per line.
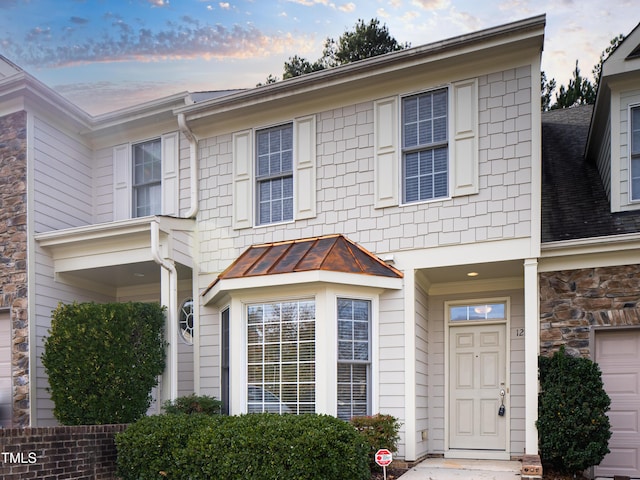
<point x="451" y="469"/>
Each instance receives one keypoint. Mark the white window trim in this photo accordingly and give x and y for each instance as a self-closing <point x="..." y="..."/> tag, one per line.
<point x="245" y="189"/>
<point x="372" y="400"/>
<point x="401" y="193"/>
<point x="448" y="324"/>
<point x="122" y="164"/>
<point x="632" y="202"/>
<point x="326" y="298"/>
<point x="462" y="137"/>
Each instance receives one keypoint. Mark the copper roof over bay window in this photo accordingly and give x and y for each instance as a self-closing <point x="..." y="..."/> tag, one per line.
<point x="331" y="253"/>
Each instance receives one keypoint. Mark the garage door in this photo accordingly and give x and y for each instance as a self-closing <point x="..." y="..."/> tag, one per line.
<point x="618" y="354"/>
<point x="5" y="370"/>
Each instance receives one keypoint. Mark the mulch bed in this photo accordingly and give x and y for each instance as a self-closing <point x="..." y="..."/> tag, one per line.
<point x="392" y="473"/>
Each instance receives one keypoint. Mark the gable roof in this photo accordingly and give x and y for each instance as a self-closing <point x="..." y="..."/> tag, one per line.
<point x="574" y="201"/>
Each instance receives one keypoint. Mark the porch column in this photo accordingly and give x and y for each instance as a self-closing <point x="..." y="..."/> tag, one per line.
<point x="531" y="352"/>
<point x="410" y="416"/>
<point x="168" y="298"/>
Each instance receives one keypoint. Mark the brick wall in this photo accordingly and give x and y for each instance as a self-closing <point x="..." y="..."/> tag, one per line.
<point x="13" y="253"/>
<point x="572" y="301"/>
<point x="56" y="453"/>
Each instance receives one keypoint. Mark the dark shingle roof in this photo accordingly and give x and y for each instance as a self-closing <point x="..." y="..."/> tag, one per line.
<point x="574" y="202"/>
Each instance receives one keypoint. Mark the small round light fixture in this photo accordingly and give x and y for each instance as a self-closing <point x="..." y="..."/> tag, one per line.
<point x="472" y="274"/>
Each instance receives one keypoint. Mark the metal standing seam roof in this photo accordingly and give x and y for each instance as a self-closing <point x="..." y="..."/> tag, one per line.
<point x="334" y="253"/>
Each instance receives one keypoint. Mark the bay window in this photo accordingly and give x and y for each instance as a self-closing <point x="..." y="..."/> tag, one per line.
<point x="354" y="357"/>
<point x="281" y="357"/>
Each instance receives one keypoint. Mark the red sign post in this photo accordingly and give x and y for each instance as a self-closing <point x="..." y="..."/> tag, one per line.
<point x="384" y="458"/>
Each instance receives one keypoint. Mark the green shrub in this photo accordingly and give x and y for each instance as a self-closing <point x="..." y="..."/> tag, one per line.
<point x="379" y="431"/>
<point x="268" y="446"/>
<point x="573" y="428"/>
<point x="194" y="404"/>
<point x="153" y="447"/>
<point x="102" y="361"/>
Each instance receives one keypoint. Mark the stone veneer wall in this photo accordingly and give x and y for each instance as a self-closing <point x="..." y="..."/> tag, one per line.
<point x="572" y="301"/>
<point x="13" y="253"/>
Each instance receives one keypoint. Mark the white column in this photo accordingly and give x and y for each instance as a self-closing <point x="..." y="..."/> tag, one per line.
<point x="237" y="359"/>
<point x="531" y="352"/>
<point x="410" y="364"/>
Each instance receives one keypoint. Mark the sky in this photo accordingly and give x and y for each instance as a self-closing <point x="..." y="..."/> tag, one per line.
<point x="104" y="55"/>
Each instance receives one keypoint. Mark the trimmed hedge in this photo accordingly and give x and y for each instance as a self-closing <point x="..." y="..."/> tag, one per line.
<point x="102" y="361"/>
<point x="153" y="446"/>
<point x="252" y="447"/>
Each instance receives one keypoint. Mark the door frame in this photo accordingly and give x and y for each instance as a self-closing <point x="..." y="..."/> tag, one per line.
<point x="478" y="454"/>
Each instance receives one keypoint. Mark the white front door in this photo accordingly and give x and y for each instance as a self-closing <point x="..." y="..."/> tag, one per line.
<point x="477" y="375"/>
<point x="617" y="353"/>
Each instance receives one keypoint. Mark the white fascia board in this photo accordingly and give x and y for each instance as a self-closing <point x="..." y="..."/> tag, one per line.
<point x="225" y="286"/>
<point x="44" y="98"/>
<point x="583" y="246"/>
<point x="450" y="255"/>
<point x="590" y="253"/>
<point x="111" y="229"/>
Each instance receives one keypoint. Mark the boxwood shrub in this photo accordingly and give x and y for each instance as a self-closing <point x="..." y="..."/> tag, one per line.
<point x="251" y="447"/>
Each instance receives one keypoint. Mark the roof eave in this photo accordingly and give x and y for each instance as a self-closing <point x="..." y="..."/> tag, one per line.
<point x="531" y="28"/>
<point x="222" y="287"/>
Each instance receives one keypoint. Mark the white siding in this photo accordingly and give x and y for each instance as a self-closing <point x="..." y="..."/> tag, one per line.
<point x="5" y="370"/>
<point x="422" y="371"/>
<point x="209" y="333"/>
<point x="62" y="185"/>
<point x="391" y="393"/>
<point x="62" y="179"/>
<point x="345" y="184"/>
<point x="624" y="162"/>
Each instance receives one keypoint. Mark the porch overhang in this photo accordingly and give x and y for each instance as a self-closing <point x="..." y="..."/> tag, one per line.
<point x="105" y="258"/>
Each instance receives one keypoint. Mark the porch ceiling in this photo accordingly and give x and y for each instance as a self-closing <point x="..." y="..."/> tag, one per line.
<point x="509" y="274"/>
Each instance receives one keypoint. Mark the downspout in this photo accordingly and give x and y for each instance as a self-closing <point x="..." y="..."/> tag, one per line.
<point x="193" y="165"/>
<point x="172" y="309"/>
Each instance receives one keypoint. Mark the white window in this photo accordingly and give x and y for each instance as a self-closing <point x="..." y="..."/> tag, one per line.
<point x="274" y="174"/>
<point x="477" y="312"/>
<point x="281" y="357"/>
<point x="425" y="152"/>
<point x="635" y="153"/>
<point x="354" y="357"/>
<point x="147" y="178"/>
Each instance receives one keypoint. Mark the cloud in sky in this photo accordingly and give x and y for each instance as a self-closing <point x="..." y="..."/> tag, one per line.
<point x="218" y="44"/>
<point x="184" y="38"/>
